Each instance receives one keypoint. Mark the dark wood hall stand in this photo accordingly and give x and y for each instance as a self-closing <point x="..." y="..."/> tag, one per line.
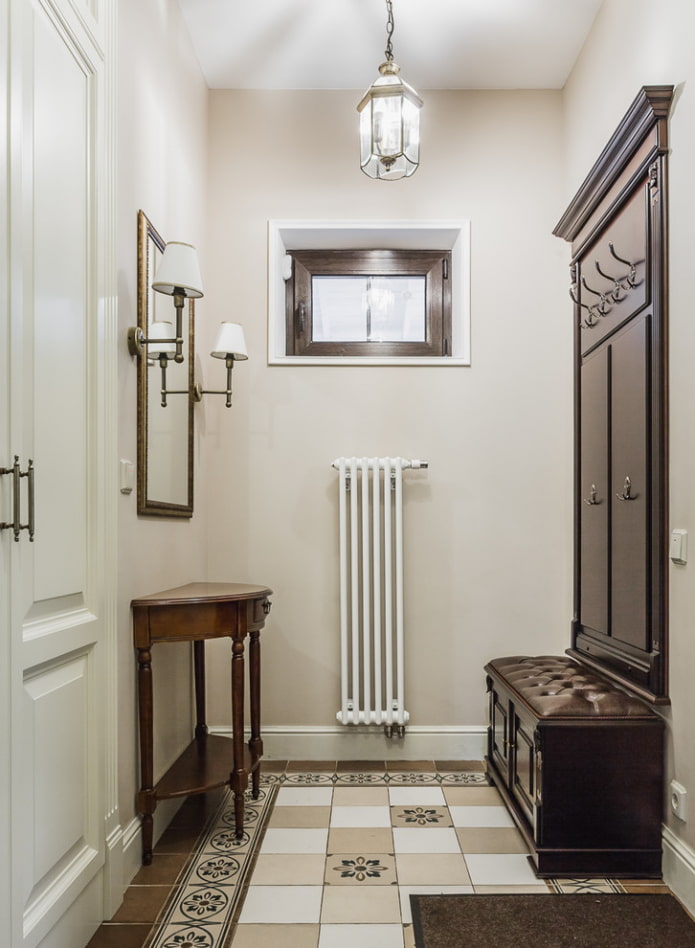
<point x="194" y="613"/>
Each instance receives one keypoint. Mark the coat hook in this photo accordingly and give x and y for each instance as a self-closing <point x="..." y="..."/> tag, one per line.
<point x="633" y="267"/>
<point x="626" y="493"/>
<point x="592" y="501"/>
<point x="617" y="285"/>
<point x="602" y="296"/>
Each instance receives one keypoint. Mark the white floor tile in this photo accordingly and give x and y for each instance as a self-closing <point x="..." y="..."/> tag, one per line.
<point x="364" y="936"/>
<point x="407" y="890"/>
<point x="282" y="904"/>
<point x="495" y="869"/>
<point x="425" y="840"/>
<point x="416" y="796"/>
<point x="353" y="816"/>
<point x="480" y="816"/>
<point x="304" y="796"/>
<point x="278" y="840"/>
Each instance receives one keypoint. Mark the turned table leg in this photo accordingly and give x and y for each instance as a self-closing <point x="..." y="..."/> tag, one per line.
<point x="239" y="778"/>
<point x="255" y="743"/>
<point x="147" y="800"/>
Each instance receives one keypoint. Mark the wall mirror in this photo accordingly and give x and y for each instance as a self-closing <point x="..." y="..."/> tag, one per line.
<point x="165" y="433"/>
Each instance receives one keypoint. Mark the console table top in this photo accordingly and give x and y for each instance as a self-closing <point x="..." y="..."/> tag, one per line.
<point x="204" y="592"/>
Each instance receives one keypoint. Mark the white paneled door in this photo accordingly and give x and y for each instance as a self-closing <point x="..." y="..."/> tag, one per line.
<point x="56" y="733"/>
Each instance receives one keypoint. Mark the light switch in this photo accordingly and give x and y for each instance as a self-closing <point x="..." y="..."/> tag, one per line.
<point x="127" y="476"/>
<point x="679" y="546"/>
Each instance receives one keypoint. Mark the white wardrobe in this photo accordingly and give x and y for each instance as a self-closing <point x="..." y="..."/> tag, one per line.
<point x="58" y="810"/>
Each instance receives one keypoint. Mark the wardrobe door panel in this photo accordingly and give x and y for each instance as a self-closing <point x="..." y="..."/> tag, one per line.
<point x="631" y="485"/>
<point x="594" y="494"/>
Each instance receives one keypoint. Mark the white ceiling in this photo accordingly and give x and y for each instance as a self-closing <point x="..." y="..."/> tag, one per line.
<point x="338" y="44"/>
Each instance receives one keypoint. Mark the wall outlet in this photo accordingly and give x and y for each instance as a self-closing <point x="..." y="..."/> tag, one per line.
<point x="679" y="800"/>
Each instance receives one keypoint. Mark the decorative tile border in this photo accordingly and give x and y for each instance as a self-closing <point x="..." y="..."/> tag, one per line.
<point x="202" y="907"/>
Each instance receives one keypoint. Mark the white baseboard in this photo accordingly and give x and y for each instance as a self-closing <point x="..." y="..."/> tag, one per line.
<point x="358" y="742"/>
<point x="679" y="868"/>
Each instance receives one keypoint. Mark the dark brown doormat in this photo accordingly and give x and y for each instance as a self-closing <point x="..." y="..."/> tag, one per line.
<point x="551" y="921"/>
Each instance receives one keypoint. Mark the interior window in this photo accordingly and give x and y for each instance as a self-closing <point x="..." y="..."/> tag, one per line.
<point x="369" y="302"/>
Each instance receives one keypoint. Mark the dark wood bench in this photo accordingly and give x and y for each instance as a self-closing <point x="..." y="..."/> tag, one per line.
<point x="579" y="763"/>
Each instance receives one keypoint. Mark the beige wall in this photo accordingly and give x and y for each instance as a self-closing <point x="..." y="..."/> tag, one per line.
<point x="655" y="47"/>
<point x="162" y="135"/>
<point x="488" y="527"/>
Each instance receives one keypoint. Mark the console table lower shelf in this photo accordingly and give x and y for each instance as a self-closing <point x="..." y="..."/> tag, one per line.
<point x="579" y="764"/>
<point x="194" y="613"/>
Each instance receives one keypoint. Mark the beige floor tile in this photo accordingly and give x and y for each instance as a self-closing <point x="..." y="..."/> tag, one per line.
<point x="457" y="766"/>
<point x="360" y="869"/>
<point x="410" y="766"/>
<point x="270" y="936"/>
<point x="348" y="840"/>
<point x="408" y="936"/>
<point x="511" y="889"/>
<point x="491" y="839"/>
<point x="377" y="904"/>
<point x="289" y="869"/>
<point x="422" y="816"/>
<point x="300" y="816"/>
<point x="431" y="869"/>
<point x="361" y="796"/>
<point x="472" y="796"/>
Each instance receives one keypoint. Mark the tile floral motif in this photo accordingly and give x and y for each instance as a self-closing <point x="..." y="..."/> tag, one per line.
<point x="360" y="868"/>
<point x="204" y="903"/>
<point x="189" y="938"/>
<point x="420" y="816"/>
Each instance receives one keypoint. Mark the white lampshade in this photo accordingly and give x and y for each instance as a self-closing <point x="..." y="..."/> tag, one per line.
<point x="230" y="342"/>
<point x="178" y="270"/>
<point x="161" y="330"/>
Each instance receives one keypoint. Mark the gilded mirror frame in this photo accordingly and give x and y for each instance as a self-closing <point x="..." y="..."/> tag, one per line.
<point x="150" y="245"/>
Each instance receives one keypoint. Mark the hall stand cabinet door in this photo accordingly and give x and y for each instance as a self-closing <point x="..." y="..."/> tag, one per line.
<point x="617" y="228"/>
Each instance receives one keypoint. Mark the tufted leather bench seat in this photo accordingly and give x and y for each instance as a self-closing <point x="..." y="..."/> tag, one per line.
<point x="579" y="763"/>
<point x="559" y="687"/>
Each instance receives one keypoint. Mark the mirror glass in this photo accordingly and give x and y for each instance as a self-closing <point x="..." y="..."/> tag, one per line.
<point x="165" y="432"/>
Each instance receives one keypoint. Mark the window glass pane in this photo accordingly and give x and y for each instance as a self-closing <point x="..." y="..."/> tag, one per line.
<point x="368" y="308"/>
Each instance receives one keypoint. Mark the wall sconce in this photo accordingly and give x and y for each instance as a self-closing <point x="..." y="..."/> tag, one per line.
<point x="230" y="345"/>
<point x="389" y="120"/>
<point x="178" y="275"/>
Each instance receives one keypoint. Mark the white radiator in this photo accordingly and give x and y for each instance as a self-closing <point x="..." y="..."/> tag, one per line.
<point x="371" y="591"/>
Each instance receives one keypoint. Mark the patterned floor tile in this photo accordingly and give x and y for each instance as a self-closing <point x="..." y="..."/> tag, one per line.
<point x="420" y="816"/>
<point x="359" y="869"/>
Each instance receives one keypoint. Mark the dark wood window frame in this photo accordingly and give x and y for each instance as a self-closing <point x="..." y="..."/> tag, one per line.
<point x="434" y="265"/>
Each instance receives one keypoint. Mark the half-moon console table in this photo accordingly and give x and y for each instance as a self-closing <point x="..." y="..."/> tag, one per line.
<point x="194" y="613"/>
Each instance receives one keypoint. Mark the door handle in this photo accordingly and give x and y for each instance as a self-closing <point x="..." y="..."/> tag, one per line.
<point x="15" y="524"/>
